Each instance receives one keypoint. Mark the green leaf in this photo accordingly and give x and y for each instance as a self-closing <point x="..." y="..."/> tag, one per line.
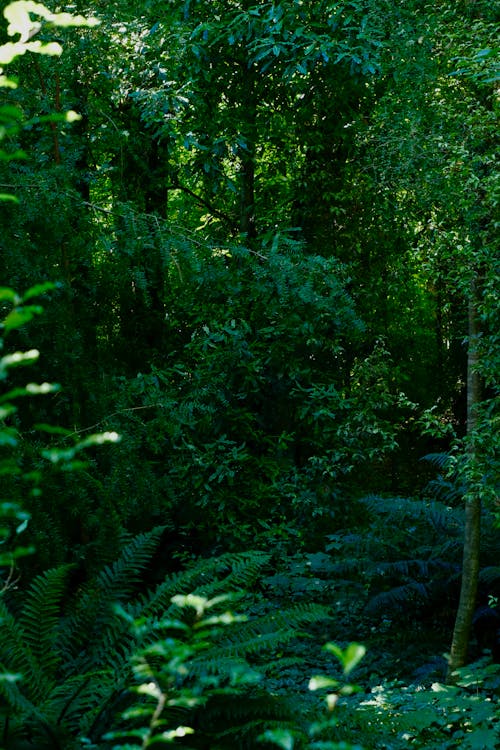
<point x="71" y="116"/>
<point x="280" y="737"/>
<point x="484" y="53"/>
<point x="99" y="439"/>
<point x="67" y="19"/>
<point x="8" y="437"/>
<point x="22" y="526"/>
<point x="37" y="290"/>
<point x="6" y="293"/>
<point x="9" y="52"/>
<point x="320" y="682"/>
<point x="17" y="14"/>
<point x="9" y="112"/>
<point x="56" y="455"/>
<point x="21" y="316"/>
<point x="52" y="429"/>
<point x="7" y="557"/>
<point x="481" y="738"/>
<point x="31" y="389"/>
<point x="9" y="677"/>
<point x="53" y="49"/>
<point x="19" y="154"/>
<point x="349" y="657"/>
<point x="6" y="82"/>
<point x="6" y="411"/>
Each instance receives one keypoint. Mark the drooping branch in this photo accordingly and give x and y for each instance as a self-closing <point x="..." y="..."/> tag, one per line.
<point x="176" y="185"/>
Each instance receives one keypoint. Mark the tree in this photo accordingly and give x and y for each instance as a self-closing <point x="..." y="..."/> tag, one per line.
<point x="436" y="159"/>
<point x="263" y="241"/>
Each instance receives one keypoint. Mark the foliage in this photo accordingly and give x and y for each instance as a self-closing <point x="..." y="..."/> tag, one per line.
<point x="29" y="645"/>
<point x="74" y="650"/>
<point x="14" y="517"/>
<point x="440" y="716"/>
<point x="180" y="672"/>
<point x="394" y="580"/>
<point x="20" y="23"/>
<point x="267" y="233"/>
<point x="253" y="392"/>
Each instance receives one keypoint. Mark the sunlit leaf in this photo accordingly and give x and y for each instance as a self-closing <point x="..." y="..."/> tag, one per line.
<point x="9" y="294"/>
<point x="38" y="289"/>
<point x="21" y="316"/>
<point x="349" y="657"/>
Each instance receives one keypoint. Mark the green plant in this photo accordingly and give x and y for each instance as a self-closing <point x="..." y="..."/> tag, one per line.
<point x="67" y="660"/>
<point x="264" y="407"/>
<point x="325" y="731"/>
<point x="22" y="466"/>
<point x="195" y="679"/>
<point x="16" y="311"/>
<point x="394" y="579"/>
<point x="18" y="15"/>
<point x="73" y="649"/>
<point x="195" y="682"/>
<point x="444" y="717"/>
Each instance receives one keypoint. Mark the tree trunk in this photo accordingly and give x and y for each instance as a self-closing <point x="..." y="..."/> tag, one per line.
<point x="472" y="533"/>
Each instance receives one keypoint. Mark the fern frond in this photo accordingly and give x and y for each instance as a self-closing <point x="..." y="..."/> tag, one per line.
<point x="434" y="513"/>
<point x="398" y="597"/>
<point x="119" y="580"/>
<point x="260" y="635"/>
<point x="444" y="490"/>
<point x="228" y="721"/>
<point x="80" y="699"/>
<point x="243" y="568"/>
<point x="232" y="572"/>
<point x="446" y="520"/>
<point x="14" y="651"/>
<point x="439" y="460"/>
<point x="39" y="621"/>
<point x="490" y="575"/>
<point x="153" y="604"/>
<point x="94" y="616"/>
<point x="412" y="568"/>
<point x="12" y="694"/>
<point x="294" y="617"/>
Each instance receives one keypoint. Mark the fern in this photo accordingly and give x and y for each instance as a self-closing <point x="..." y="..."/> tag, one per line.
<point x="93" y="620"/>
<point x="77" y="662"/>
<point x="444" y="487"/>
<point x="440" y="460"/>
<point x="63" y="659"/>
<point x="205" y="666"/>
<point x="403" y="508"/>
<point x="39" y="624"/>
<point x="231" y="572"/>
<point x="398" y="597"/>
<point x="237" y="720"/>
<point x="80" y="699"/>
<point x="249" y="641"/>
<point x="402" y="568"/>
<point x="13" y="648"/>
<point x="490" y="575"/>
<point x="12" y="693"/>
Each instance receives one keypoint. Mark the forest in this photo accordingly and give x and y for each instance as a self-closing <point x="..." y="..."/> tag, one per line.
<point x="250" y="375"/>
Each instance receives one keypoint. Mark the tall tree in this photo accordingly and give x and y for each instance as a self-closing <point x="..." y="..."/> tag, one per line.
<point x="433" y="144"/>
